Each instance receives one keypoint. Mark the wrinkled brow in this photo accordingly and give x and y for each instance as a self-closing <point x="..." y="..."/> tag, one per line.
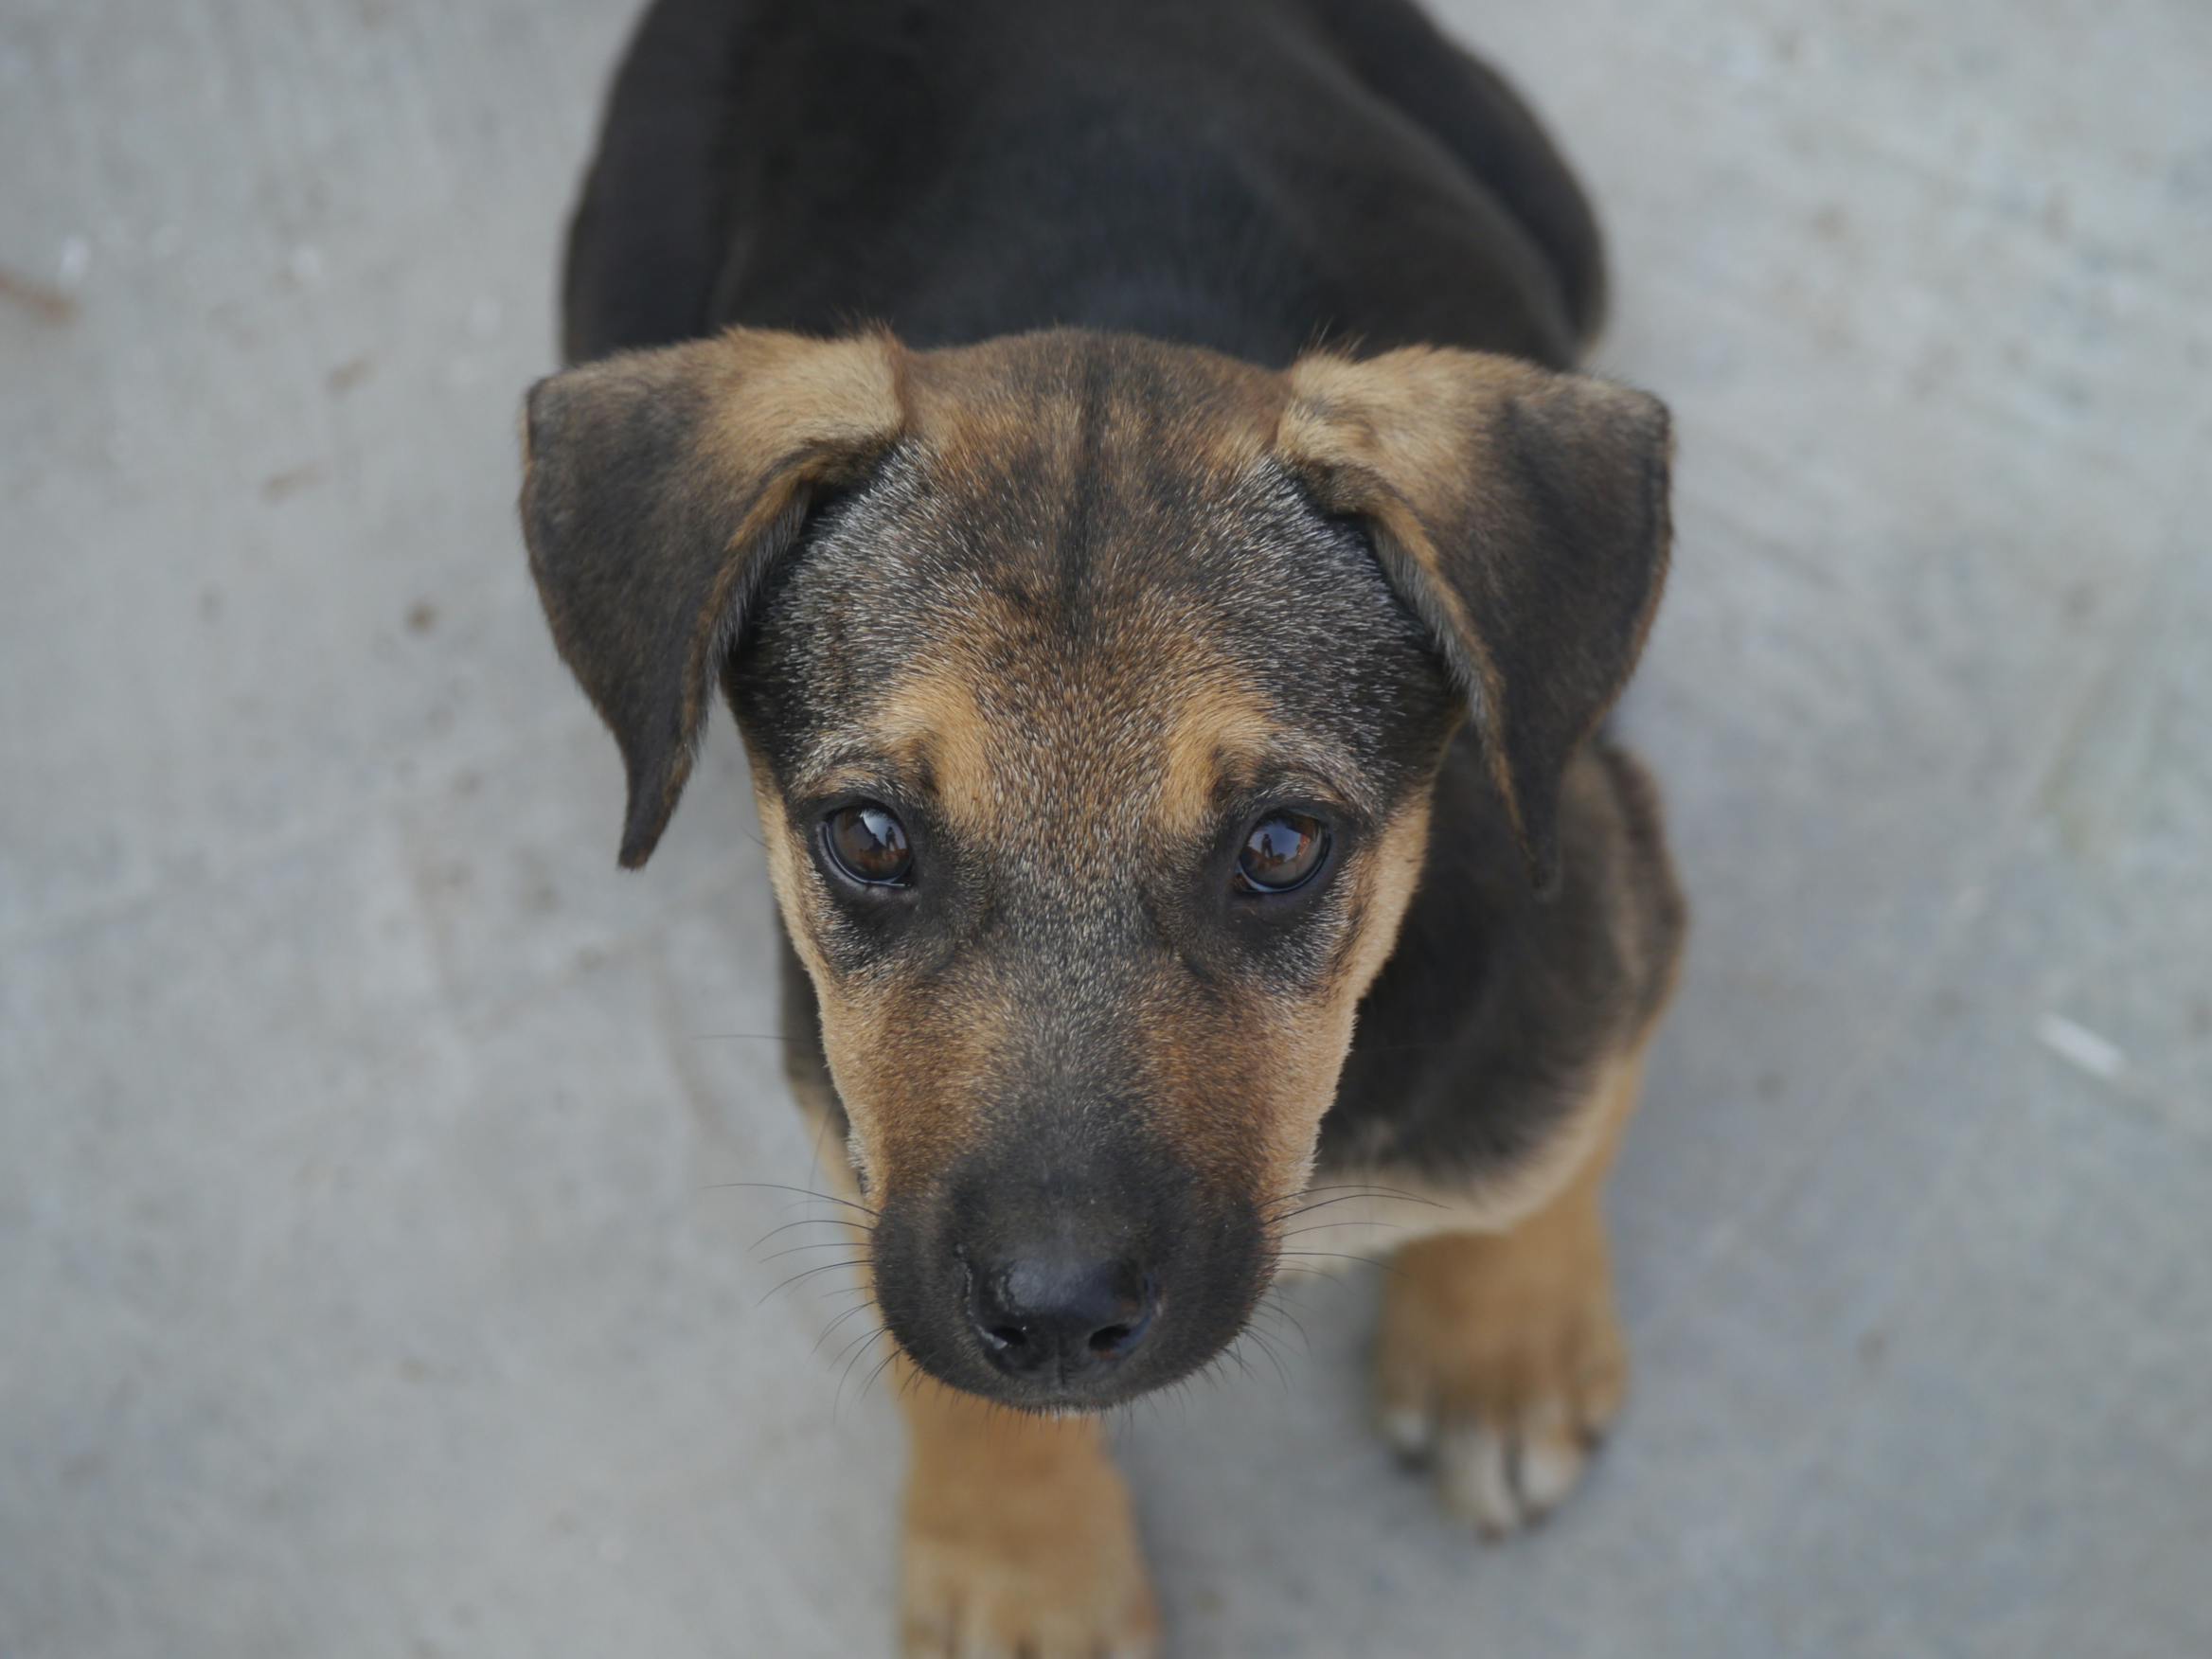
<point x="1304" y="769"/>
<point x="848" y="767"/>
<point x="1287" y="766"/>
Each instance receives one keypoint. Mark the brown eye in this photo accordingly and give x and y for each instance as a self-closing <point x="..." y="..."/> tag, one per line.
<point x="1283" y="851"/>
<point x="867" y="842"/>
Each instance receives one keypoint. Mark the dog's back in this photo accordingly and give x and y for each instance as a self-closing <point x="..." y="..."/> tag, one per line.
<point x="1249" y="176"/>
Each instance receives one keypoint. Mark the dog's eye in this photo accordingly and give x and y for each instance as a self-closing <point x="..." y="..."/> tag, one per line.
<point x="1283" y="852"/>
<point x="867" y="842"/>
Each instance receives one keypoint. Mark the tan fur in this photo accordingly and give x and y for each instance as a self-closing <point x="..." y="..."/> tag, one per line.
<point x="1501" y="1355"/>
<point x="1304" y="1061"/>
<point x="1218" y="730"/>
<point x="1394" y="874"/>
<point x="784" y="874"/>
<point x="906" y="1065"/>
<point x="1202" y="724"/>
<point x="1019" y="1537"/>
<point x="931" y="724"/>
<point x="901" y="1077"/>
<point x="786" y="411"/>
<point x="789" y="413"/>
<point x="959" y="404"/>
<point x="1393" y="432"/>
<point x="794" y="898"/>
<point x="776" y="394"/>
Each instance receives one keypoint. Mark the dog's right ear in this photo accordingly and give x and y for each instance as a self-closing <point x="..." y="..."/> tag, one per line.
<point x="658" y="489"/>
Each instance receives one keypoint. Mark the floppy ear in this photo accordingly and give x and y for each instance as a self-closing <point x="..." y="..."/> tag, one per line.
<point x="1523" y="514"/>
<point x="658" y="488"/>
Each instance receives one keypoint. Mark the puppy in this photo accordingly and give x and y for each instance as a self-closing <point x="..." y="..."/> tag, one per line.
<point x="1121" y="467"/>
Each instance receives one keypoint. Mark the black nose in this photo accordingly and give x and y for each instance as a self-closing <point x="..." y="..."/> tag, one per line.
<point x="1045" y="1313"/>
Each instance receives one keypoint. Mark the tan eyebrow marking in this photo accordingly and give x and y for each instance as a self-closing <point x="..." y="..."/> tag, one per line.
<point x="934" y="734"/>
<point x="1221" y="721"/>
<point x="933" y="726"/>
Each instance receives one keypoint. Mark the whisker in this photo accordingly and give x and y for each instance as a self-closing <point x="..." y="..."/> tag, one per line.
<point x="864" y="1337"/>
<point x="1228" y="1353"/>
<point x="833" y="1324"/>
<point x="1332" y="1186"/>
<point x="812" y="1222"/>
<point x="1341" y="1255"/>
<point x="838" y="1399"/>
<point x="802" y="1191"/>
<point x="1311" y="1281"/>
<point x="809" y="1273"/>
<point x="1356" y="1197"/>
<point x="1276" y="1359"/>
<point x="872" y="1376"/>
<point x="1352" y="1191"/>
<point x="1305" y="1342"/>
<point x="822" y="1244"/>
<point x="1325" y="1227"/>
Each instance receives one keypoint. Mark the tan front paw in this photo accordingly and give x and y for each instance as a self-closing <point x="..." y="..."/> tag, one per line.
<point x="1500" y="1364"/>
<point x="1024" y="1557"/>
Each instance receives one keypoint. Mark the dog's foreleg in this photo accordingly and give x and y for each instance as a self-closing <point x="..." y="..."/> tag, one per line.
<point x="1020" y="1537"/>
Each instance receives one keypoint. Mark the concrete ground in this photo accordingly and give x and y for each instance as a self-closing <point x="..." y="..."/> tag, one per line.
<point x="369" y="1279"/>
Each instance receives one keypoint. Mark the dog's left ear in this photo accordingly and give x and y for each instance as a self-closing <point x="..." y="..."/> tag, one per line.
<point x="658" y="489"/>
<point x="1523" y="514"/>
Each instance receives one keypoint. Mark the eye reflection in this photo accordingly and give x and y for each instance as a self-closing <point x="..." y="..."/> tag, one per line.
<point x="1283" y="851"/>
<point x="867" y="842"/>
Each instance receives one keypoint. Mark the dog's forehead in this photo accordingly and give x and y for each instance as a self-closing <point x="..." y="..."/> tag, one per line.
<point x="1082" y="575"/>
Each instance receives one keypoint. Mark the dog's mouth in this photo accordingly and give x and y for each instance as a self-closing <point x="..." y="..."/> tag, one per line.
<point x="1068" y="1304"/>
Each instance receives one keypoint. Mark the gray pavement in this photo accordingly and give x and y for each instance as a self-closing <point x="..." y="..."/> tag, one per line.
<point x="367" y="1282"/>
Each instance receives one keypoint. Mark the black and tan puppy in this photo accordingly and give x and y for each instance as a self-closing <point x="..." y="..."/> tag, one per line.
<point x="1119" y="463"/>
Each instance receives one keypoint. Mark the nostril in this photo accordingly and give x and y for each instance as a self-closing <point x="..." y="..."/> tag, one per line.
<point x="1112" y="1341"/>
<point x="1043" y="1309"/>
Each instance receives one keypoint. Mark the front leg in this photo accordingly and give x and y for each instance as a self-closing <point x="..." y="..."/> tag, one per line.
<point x="1020" y="1539"/>
<point x="1502" y="1360"/>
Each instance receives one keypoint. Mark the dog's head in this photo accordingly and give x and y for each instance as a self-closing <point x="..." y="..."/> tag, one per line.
<point x="1094" y="689"/>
